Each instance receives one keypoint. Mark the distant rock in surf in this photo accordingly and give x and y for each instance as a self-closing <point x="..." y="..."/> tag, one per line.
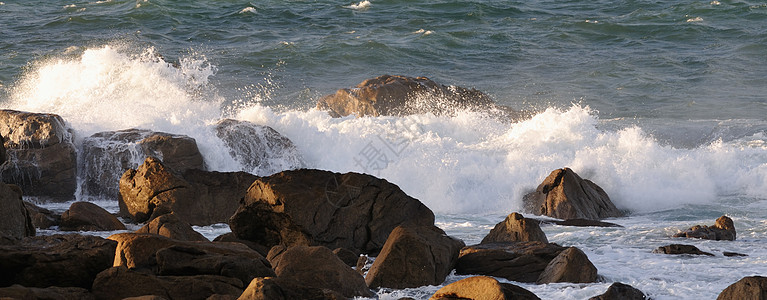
<point x="516" y="228"/>
<point x="15" y="220"/>
<point x="752" y="287"/>
<point x="106" y="156"/>
<point x="86" y="216"/>
<point x="260" y="150"/>
<point x="565" y="195"/>
<point x="680" y="249"/>
<point x="516" y="261"/>
<point x="579" y="223"/>
<point x="620" y="291"/>
<point x="40" y="154"/>
<point x="482" y="287"/>
<point x="723" y="229"/>
<point x="401" y="95"/>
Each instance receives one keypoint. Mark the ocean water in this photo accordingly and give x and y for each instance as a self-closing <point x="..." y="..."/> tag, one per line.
<point x="663" y="104"/>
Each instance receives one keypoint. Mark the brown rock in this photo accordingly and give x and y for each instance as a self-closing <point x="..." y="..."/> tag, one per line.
<point x="752" y="288"/>
<point x="515" y="228"/>
<point x="347" y="256"/>
<point x="571" y="265"/>
<point x="187" y="261"/>
<point x="260" y="150"/>
<point x="86" y="216"/>
<point x="229" y="237"/>
<point x="106" y="155"/>
<point x="41" y="157"/>
<point x="620" y="291"/>
<point x="120" y="282"/>
<point x="317" y="267"/>
<point x="42" y="218"/>
<point x="565" y="195"/>
<point x="280" y="289"/>
<point x="198" y="197"/>
<point x="169" y="225"/>
<point x="400" y="95"/>
<point x="680" y="249"/>
<point x="723" y="229"/>
<point x="482" y="287"/>
<point x="15" y="221"/>
<point x="363" y="264"/>
<point x="413" y="257"/>
<point x="516" y="261"/>
<point x="57" y="260"/>
<point x="50" y="293"/>
<point x="314" y="207"/>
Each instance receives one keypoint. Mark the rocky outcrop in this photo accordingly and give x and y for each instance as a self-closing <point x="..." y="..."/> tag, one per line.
<point x="680" y="249"/>
<point x="50" y="293"/>
<point x="401" y="95"/>
<point x="41" y="156"/>
<point x="189" y="261"/>
<point x="106" y="155"/>
<point x="317" y="267"/>
<point x="620" y="291"/>
<point x="516" y="261"/>
<point x="260" y="150"/>
<point x="413" y="257"/>
<point x="62" y="260"/>
<point x="515" y="228"/>
<point x="570" y="265"/>
<point x="723" y="229"/>
<point x="482" y="287"/>
<point x="565" y="195"/>
<point x="752" y="287"/>
<point x="198" y="197"/>
<point x="15" y="221"/>
<point x="229" y="237"/>
<point x="86" y="216"/>
<point x="269" y="288"/>
<point x="42" y="218"/>
<point x="119" y="282"/>
<point x="315" y="207"/>
<point x="169" y="225"/>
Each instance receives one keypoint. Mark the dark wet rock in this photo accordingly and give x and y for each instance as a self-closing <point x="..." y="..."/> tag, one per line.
<point x="229" y="237"/>
<point x="723" y="229"/>
<point x="317" y="267"/>
<point x="482" y="287"/>
<point x="347" y="256"/>
<point x="753" y="288"/>
<point x="516" y="228"/>
<point x="680" y="249"/>
<point x="42" y="218"/>
<point x="169" y="225"/>
<point x="15" y="220"/>
<point x="571" y="265"/>
<point x="86" y="216"/>
<point x="580" y="223"/>
<point x="516" y="261"/>
<point x="106" y="156"/>
<point x="315" y="207"/>
<point x="733" y="254"/>
<point x="260" y="150"/>
<point x="363" y="264"/>
<point x="50" y="293"/>
<point x="189" y="261"/>
<point x="120" y="282"/>
<point x="269" y="288"/>
<point x="64" y="260"/>
<point x="40" y="154"/>
<point x="620" y="291"/>
<point x="198" y="197"/>
<point x="565" y="195"/>
<point x="413" y="257"/>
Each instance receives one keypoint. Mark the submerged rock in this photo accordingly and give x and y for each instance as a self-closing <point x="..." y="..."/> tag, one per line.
<point x="40" y="156"/>
<point x="15" y="220"/>
<point x="516" y="228"/>
<point x="620" y="291"/>
<point x="482" y="287"/>
<point x="565" y="195"/>
<point x="86" y="216"/>
<point x="260" y="150"/>
<point x="680" y="249"/>
<point x="752" y="287"/>
<point x="723" y="229"/>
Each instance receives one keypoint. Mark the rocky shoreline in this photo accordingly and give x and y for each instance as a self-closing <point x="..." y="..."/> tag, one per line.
<point x="296" y="234"/>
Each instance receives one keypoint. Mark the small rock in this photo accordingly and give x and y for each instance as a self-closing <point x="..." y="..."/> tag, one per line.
<point x="723" y="229"/>
<point x="565" y="195"/>
<point x="753" y="288"/>
<point x="620" y="291"/>
<point x="42" y="218"/>
<point x="86" y="216"/>
<point x="169" y="225"/>
<point x="482" y="287"/>
<point x="516" y="228"/>
<point x="680" y="249"/>
<point x="571" y="265"/>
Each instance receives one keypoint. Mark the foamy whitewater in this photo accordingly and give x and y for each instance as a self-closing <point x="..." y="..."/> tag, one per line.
<point x="674" y="136"/>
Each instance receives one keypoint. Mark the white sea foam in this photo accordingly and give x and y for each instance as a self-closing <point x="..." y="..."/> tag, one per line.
<point x="696" y="19"/>
<point x="361" y="5"/>
<point x="248" y="10"/>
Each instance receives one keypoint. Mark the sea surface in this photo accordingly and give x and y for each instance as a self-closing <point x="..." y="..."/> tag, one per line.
<point x="662" y="103"/>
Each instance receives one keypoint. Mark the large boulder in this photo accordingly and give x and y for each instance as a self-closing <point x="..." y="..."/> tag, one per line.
<point x="269" y="288"/>
<point x="197" y="197"/>
<point x="260" y="150"/>
<point x="516" y="228"/>
<point x="119" y="282"/>
<point x="413" y="257"/>
<point x="106" y="156"/>
<point x="570" y="265"/>
<point x="41" y="217"/>
<point x="752" y="287"/>
<point x="41" y="155"/>
<point x="169" y="225"/>
<point x="620" y="291"/>
<point x="565" y="195"/>
<point x="723" y="229"/>
<point x="50" y="293"/>
<point x="86" y="216"/>
<point x="317" y="267"/>
<point x="15" y="220"/>
<point x="482" y="287"/>
<point x="401" y="95"/>
<point x="57" y="260"/>
<point x="188" y="261"/>
<point x="315" y="207"/>
<point x="516" y="261"/>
